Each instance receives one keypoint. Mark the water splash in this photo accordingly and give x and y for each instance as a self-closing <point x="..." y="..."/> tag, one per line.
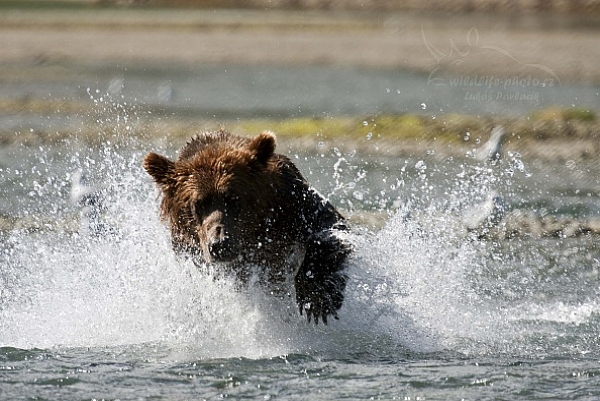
<point x="421" y="283"/>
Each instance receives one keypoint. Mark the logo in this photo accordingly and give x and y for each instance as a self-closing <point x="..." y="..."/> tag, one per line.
<point x="509" y="79"/>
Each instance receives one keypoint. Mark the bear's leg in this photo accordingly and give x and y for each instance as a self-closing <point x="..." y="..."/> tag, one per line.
<point x="321" y="281"/>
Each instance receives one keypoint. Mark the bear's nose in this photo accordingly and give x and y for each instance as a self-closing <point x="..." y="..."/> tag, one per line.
<point x="219" y="245"/>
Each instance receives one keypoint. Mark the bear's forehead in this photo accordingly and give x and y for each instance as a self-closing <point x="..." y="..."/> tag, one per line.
<point x="210" y="176"/>
<point x="203" y="175"/>
<point x="225" y="167"/>
<point x="220" y="157"/>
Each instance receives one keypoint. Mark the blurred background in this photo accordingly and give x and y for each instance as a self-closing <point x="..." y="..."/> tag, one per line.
<point x="430" y="72"/>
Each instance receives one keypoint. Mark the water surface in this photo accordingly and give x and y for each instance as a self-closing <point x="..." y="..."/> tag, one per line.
<point x="432" y="312"/>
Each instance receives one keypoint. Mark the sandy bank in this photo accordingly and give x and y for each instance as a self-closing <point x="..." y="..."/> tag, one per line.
<point x="472" y="44"/>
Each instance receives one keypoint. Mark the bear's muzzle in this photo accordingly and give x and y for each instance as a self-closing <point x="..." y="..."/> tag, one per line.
<point x="220" y="245"/>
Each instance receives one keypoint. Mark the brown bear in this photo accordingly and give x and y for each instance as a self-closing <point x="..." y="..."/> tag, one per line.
<point x="233" y="203"/>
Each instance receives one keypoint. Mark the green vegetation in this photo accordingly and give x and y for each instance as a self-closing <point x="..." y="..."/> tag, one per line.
<point x="558" y="114"/>
<point x="553" y="132"/>
<point x="404" y="126"/>
<point x="450" y="128"/>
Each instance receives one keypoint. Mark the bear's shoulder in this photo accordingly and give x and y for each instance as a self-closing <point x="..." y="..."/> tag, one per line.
<point x="314" y="210"/>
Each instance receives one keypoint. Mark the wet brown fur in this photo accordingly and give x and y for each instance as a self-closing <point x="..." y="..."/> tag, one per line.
<point x="236" y="195"/>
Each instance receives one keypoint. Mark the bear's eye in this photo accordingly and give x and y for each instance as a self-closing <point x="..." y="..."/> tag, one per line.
<point x="201" y="205"/>
<point x="231" y="205"/>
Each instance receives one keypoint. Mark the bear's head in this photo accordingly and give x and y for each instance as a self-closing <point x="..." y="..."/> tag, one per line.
<point x="219" y="197"/>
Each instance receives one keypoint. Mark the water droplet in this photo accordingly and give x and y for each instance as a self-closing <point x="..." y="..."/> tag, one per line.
<point x="423" y="106"/>
<point x="519" y="165"/>
<point x="369" y="135"/>
<point x="365" y="123"/>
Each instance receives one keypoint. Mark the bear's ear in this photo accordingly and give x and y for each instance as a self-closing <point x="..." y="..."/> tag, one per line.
<point x="161" y="169"/>
<point x="263" y="146"/>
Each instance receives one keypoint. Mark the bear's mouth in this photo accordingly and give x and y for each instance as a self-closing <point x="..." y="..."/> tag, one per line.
<point x="222" y="250"/>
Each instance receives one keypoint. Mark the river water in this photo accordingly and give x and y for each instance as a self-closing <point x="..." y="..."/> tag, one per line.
<point x="219" y="91"/>
<point x="432" y="311"/>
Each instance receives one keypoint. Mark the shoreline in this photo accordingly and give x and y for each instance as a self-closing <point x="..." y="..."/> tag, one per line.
<point x="487" y="44"/>
<point x="41" y="44"/>
<point x="549" y="134"/>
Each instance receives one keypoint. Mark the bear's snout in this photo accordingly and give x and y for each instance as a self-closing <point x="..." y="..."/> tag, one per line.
<point x="220" y="244"/>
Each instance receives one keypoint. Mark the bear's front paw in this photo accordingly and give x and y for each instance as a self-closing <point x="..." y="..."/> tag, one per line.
<point x="314" y="309"/>
<point x="320" y="297"/>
